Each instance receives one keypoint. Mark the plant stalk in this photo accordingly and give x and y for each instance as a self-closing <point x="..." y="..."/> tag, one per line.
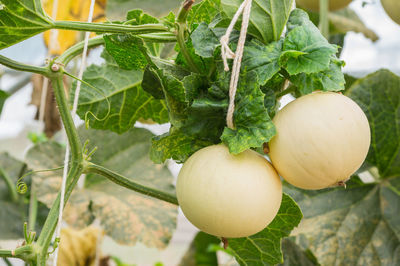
<point x="76" y="167"/>
<point x="324" y="18"/>
<point x="109" y="27"/>
<point x="128" y="183"/>
<point x="182" y="29"/>
<point x="23" y="67"/>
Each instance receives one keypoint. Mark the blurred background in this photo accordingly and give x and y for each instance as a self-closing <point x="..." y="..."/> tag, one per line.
<point x="17" y="120"/>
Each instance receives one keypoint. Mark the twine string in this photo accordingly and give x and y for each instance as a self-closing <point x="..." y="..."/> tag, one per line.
<point x="226" y="53"/>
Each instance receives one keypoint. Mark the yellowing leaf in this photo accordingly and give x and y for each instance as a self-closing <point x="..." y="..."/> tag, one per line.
<point x="78" y="247"/>
<point x="73" y="10"/>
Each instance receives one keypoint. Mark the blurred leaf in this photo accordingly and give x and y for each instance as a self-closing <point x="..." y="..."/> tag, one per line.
<point x="253" y="126"/>
<point x="128" y="101"/>
<point x="125" y="215"/>
<point x="346" y="20"/>
<point x="378" y="94"/>
<point x="264" y="248"/>
<point x="305" y="50"/>
<point x="20" y="20"/>
<point x="268" y="17"/>
<point x="12" y="213"/>
<point x="3" y="97"/>
<point x="71" y="10"/>
<point x="293" y="255"/>
<point x="198" y="253"/>
<point x="359" y="225"/>
<point x="117" y="9"/>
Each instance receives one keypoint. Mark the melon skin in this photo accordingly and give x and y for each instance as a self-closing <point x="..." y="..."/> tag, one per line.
<point x="392" y="8"/>
<point x="228" y="195"/>
<point x="313" y="5"/>
<point x="322" y="139"/>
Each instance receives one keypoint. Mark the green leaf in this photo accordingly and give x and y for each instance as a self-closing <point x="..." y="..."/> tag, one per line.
<point x="176" y="145"/>
<point x="137" y="17"/>
<point x="199" y="253"/>
<point x="359" y="225"/>
<point x="268" y="17"/>
<point x="121" y="88"/>
<point x="271" y="90"/>
<point x="3" y="97"/>
<point x="20" y="20"/>
<point x="331" y="79"/>
<point x="264" y="248"/>
<point x="304" y="48"/>
<point x="253" y="126"/>
<point x="127" y="51"/>
<point x="125" y="215"/>
<point x="204" y="11"/>
<point x="204" y="41"/>
<point x="378" y="94"/>
<point x="203" y="64"/>
<point x="263" y="59"/>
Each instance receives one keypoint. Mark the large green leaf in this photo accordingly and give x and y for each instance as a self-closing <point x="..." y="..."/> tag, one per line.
<point x="117" y="99"/>
<point x="20" y="20"/>
<point x="305" y="50"/>
<point x="253" y="126"/>
<point x="378" y="94"/>
<point x="359" y="225"/>
<point x="199" y="253"/>
<point x="264" y="248"/>
<point x="268" y="17"/>
<point x="203" y="11"/>
<point x="204" y="40"/>
<point x="125" y="215"/>
<point x="3" y="96"/>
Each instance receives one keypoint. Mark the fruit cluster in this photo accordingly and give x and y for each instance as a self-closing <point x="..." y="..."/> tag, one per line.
<point x="322" y="139"/>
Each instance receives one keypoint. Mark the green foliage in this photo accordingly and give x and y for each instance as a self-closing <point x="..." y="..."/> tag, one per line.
<point x="3" y="97"/>
<point x="199" y="253"/>
<point x="119" y="210"/>
<point x="204" y="11"/>
<point x="20" y="20"/>
<point x="253" y="126"/>
<point x="296" y="256"/>
<point x="305" y="50"/>
<point x="117" y="99"/>
<point x="264" y="248"/>
<point x="378" y="94"/>
<point x="268" y="17"/>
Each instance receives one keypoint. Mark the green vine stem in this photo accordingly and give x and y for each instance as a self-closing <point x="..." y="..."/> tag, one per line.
<point x="128" y="183"/>
<point x="33" y="208"/>
<point x="23" y="252"/>
<point x="324" y="17"/>
<point x="182" y="29"/>
<point x="109" y="27"/>
<point x="77" y="49"/>
<point x="23" y="67"/>
<point x="10" y="185"/>
<point x="75" y="171"/>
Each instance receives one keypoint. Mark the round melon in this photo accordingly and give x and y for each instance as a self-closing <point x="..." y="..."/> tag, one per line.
<point x="322" y="139"/>
<point x="228" y="195"/>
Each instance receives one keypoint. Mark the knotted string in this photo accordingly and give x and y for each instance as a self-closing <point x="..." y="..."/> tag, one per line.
<point x="227" y="53"/>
